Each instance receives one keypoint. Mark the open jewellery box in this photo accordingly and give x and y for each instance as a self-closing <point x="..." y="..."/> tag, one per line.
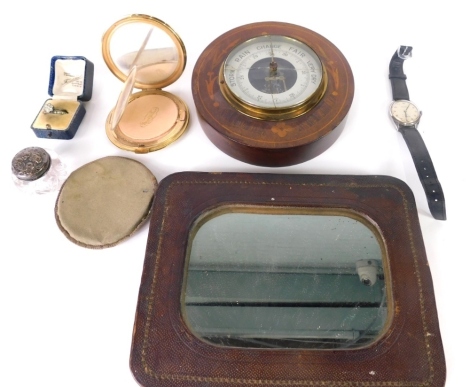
<point x="277" y="279"/>
<point x="70" y="83"/>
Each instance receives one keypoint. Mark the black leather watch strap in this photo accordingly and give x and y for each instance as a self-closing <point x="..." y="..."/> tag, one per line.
<point x="396" y="74"/>
<point x="426" y="172"/>
<point x="414" y="141"/>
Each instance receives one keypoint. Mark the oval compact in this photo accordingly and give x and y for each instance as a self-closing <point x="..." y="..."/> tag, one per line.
<point x="105" y="201"/>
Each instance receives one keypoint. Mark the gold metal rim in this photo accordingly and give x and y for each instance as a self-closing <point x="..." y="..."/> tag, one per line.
<point x="138" y="18"/>
<point x="273" y="114"/>
<point x="158" y="142"/>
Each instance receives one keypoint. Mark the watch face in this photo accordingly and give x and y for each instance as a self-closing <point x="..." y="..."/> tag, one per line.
<point x="405" y="112"/>
<point x="273" y="72"/>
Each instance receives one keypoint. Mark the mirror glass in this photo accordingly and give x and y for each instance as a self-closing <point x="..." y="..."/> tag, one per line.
<point x="148" y="48"/>
<point x="264" y="279"/>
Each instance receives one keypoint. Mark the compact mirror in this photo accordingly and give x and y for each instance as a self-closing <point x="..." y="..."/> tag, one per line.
<point x="145" y="53"/>
<point x="285" y="280"/>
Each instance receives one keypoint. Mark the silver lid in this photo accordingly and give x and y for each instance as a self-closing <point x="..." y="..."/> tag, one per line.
<point x="30" y="163"/>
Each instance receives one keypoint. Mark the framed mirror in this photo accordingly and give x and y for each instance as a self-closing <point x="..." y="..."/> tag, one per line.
<point x="282" y="278"/>
<point x="309" y="280"/>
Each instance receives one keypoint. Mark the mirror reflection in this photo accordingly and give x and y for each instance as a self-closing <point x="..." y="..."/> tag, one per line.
<point x="148" y="48"/>
<point x="285" y="280"/>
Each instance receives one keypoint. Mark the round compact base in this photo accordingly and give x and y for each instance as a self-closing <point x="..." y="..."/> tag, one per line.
<point x="152" y="120"/>
<point x="105" y="201"/>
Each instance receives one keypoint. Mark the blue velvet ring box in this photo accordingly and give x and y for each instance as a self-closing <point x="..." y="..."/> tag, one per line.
<point x="70" y="83"/>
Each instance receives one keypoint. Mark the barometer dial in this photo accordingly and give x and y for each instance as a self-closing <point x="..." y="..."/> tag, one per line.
<point x="273" y="76"/>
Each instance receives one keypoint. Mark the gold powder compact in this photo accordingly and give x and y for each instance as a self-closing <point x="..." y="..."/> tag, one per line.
<point x="145" y="53"/>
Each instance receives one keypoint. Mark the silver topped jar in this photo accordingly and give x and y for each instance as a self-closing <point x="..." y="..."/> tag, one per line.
<point x="37" y="170"/>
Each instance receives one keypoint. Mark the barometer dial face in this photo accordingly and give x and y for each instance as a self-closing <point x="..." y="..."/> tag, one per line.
<point x="273" y="72"/>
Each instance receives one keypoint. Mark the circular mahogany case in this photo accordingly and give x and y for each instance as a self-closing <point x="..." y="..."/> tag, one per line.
<point x="273" y="143"/>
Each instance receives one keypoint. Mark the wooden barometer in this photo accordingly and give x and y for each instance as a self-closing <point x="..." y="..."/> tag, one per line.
<point x="272" y="94"/>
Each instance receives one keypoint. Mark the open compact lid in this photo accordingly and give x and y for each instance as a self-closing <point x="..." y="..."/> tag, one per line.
<point x="148" y="43"/>
<point x="118" y="111"/>
<point x="145" y="53"/>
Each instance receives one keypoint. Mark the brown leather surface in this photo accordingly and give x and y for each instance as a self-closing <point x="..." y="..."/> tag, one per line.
<point x="166" y="353"/>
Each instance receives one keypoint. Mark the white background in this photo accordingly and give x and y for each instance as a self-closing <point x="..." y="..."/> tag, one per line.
<point x="66" y="312"/>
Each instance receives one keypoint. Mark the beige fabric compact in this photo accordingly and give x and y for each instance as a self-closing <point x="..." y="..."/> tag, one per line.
<point x="105" y="201"/>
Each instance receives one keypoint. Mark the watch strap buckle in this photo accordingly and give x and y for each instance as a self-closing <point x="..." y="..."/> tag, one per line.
<point x="404" y="52"/>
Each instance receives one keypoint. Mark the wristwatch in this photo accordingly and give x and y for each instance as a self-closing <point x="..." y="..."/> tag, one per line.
<point x="406" y="115"/>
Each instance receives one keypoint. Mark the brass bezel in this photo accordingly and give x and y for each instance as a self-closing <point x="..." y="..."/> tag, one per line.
<point x="273" y="114"/>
